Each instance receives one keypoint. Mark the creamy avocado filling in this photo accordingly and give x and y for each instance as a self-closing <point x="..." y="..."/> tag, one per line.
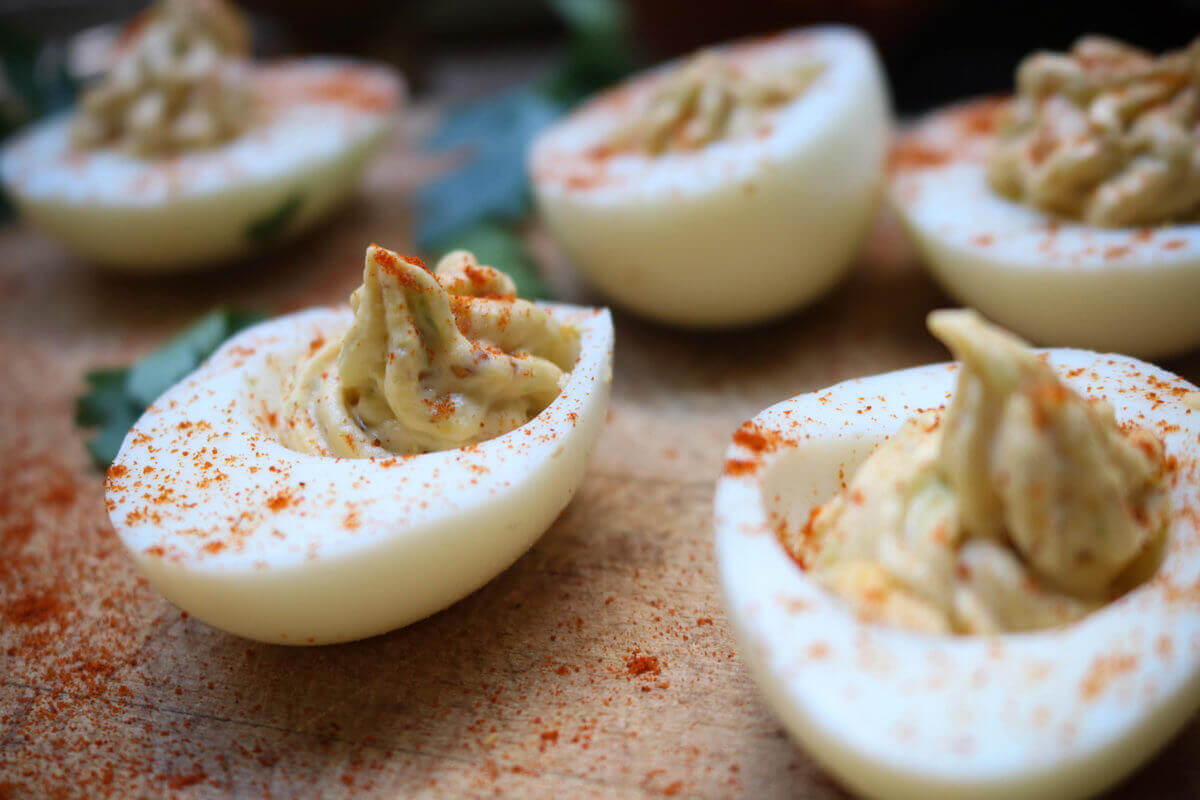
<point x="1022" y="506"/>
<point x="1107" y="134"/>
<point x="432" y="361"/>
<point x="711" y="97"/>
<point x="178" y="82"/>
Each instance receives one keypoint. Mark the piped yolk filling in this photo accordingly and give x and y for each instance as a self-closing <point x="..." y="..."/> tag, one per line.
<point x="1022" y="506"/>
<point x="711" y="97"/>
<point x="433" y="360"/>
<point x="1107" y="134"/>
<point x="178" y="83"/>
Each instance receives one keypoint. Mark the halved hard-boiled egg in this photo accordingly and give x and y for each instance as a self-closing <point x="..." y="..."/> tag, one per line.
<point x="725" y="189"/>
<point x="1085" y="656"/>
<point x="187" y="153"/>
<point x="1070" y="213"/>
<point x="337" y="473"/>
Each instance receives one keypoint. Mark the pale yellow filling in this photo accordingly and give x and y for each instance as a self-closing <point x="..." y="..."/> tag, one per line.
<point x="711" y="97"/>
<point x="1107" y="134"/>
<point x="1022" y="506"/>
<point x="178" y="83"/>
<point x="432" y="361"/>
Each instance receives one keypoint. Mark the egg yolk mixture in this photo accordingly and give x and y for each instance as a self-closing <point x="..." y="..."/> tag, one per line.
<point x="711" y="97"/>
<point x="1021" y="506"/>
<point x="178" y="82"/>
<point x="433" y="360"/>
<point x="1106" y="134"/>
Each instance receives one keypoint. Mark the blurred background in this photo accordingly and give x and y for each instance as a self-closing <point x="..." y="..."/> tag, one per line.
<point x="935" y="50"/>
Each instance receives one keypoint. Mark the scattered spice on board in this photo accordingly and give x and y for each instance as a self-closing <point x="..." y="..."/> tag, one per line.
<point x="638" y="665"/>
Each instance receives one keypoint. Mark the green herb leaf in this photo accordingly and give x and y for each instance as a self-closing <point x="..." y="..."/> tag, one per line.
<point x="503" y="248"/>
<point x="104" y="446"/>
<point x="273" y="224"/>
<point x="475" y="205"/>
<point x="167" y="365"/>
<point x="600" y="50"/>
<point x="117" y="396"/>
<point x="34" y="82"/>
<point x="491" y="184"/>
<point x="105" y="398"/>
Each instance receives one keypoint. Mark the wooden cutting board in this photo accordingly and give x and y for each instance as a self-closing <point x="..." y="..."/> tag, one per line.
<point x="601" y="664"/>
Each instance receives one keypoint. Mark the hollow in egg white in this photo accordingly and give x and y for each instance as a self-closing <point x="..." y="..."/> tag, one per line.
<point x="1059" y="713"/>
<point x="319" y="122"/>
<point x="1051" y="279"/>
<point x="285" y="547"/>
<point x="729" y="229"/>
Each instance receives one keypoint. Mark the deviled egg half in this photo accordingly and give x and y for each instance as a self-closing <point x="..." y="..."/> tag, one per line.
<point x="975" y="579"/>
<point x="1070" y="212"/>
<point x="187" y="153"/>
<point x="725" y="189"/>
<point x="337" y="473"/>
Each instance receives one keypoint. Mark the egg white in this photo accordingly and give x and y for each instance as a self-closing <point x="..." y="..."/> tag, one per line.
<point x="290" y="548"/>
<point x="1052" y="280"/>
<point x="737" y="231"/>
<point x="1060" y="713"/>
<point x="138" y="215"/>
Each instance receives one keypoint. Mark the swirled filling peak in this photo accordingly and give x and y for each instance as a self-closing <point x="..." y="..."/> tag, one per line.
<point x="711" y="97"/>
<point x="1107" y="134"/>
<point x="432" y="360"/>
<point x="178" y="82"/>
<point x="1021" y="506"/>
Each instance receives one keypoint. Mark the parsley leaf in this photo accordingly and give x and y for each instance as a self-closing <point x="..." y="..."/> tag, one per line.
<point x="600" y="49"/>
<point x="272" y="224"/>
<point x="34" y="82"/>
<point x="491" y="185"/>
<point x="117" y="396"/>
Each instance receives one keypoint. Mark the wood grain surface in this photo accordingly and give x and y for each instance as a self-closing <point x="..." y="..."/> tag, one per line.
<point x="599" y="665"/>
